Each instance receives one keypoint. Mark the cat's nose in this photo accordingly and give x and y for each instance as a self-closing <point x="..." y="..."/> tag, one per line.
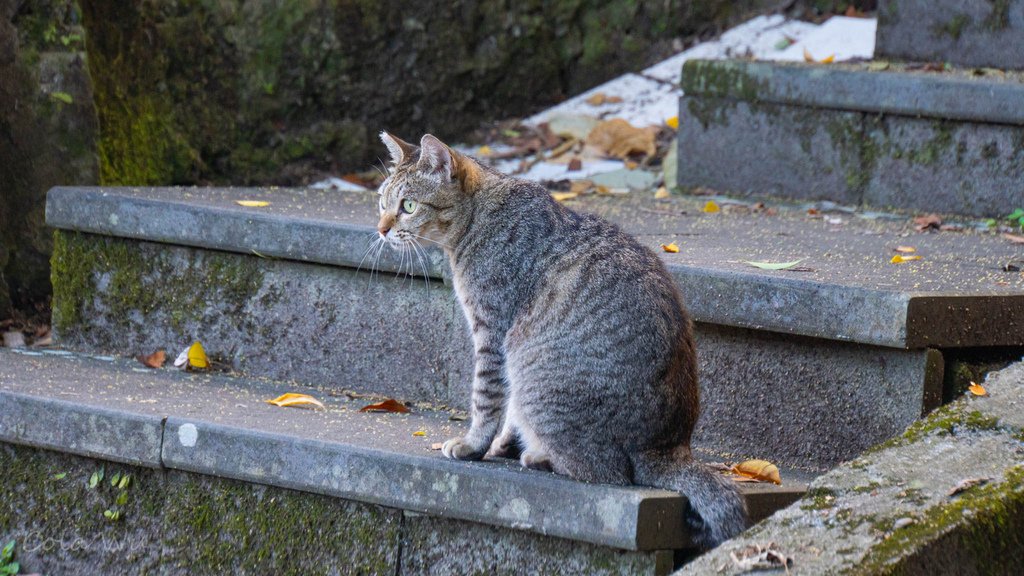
<point x="383" y="230"/>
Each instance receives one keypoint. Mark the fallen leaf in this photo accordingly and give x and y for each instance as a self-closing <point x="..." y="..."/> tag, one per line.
<point x="826" y="60"/>
<point x="580" y="186"/>
<point x="293" y="399"/>
<point x="126" y="481"/>
<point x="1014" y="238"/>
<point x="630" y="165"/>
<point x="807" y="56"/>
<point x="618" y="138"/>
<point x="252" y="203"/>
<point x="977" y="389"/>
<point x="878" y="66"/>
<point x="964" y="485"/>
<point x="59" y="476"/>
<point x="757" y="557"/>
<point x="900" y="259"/>
<point x="575" y="164"/>
<point x="673" y="122"/>
<point x="154" y="360"/>
<point x="927" y="221"/>
<point x="112" y="515"/>
<point x="711" y="207"/>
<point x="661" y="193"/>
<point x="419" y="433"/>
<point x="774" y="265"/>
<point x="437" y="445"/>
<point x="762" y="470"/>
<point x="389" y="405"/>
<point x="672" y="248"/>
<point x="563" y="196"/>
<point x="484" y="150"/>
<point x="905" y="249"/>
<point x="813" y="212"/>
<point x="192" y="357"/>
<point x="599" y="98"/>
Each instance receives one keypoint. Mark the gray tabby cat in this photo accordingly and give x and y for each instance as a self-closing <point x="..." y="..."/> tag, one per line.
<point x="581" y="339"/>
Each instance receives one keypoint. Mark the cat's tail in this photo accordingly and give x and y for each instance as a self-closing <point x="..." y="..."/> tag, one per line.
<point x="716" y="511"/>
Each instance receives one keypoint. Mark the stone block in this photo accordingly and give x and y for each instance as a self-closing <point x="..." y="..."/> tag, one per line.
<point x="981" y="33"/>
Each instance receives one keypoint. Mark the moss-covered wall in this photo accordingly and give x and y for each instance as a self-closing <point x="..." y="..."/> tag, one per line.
<point x="276" y="92"/>
<point x="47" y="135"/>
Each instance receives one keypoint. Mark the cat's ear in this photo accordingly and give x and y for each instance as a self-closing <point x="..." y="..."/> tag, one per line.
<point x="399" y="149"/>
<point x="435" y="157"/>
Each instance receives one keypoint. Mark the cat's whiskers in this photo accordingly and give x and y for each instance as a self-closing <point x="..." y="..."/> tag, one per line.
<point x="441" y="244"/>
<point x="370" y="245"/>
<point x="422" y="256"/>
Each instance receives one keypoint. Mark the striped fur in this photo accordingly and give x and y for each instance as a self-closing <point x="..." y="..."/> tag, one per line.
<point x="584" y="354"/>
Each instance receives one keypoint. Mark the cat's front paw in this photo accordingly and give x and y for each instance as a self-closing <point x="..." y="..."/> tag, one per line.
<point x="461" y="449"/>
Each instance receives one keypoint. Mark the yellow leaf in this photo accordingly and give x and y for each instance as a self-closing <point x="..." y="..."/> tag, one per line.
<point x="563" y="196"/>
<point x="293" y="399"/>
<point x="758" y="470"/>
<point x="419" y="433"/>
<point x="828" y="59"/>
<point x="905" y="249"/>
<point x="673" y="122"/>
<point x="252" y="203"/>
<point x="711" y="207"/>
<point x="977" y="389"/>
<point x="197" y="356"/>
<point x="484" y="150"/>
<point x="900" y="259"/>
<point x="670" y="248"/>
<point x="662" y="193"/>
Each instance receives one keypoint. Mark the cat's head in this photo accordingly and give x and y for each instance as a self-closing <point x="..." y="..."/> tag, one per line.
<point x="426" y="190"/>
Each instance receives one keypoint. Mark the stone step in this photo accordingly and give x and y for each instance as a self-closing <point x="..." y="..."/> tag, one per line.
<point x="806" y="368"/>
<point x="964" y="32"/>
<point x="221" y="426"/>
<point x="857" y="134"/>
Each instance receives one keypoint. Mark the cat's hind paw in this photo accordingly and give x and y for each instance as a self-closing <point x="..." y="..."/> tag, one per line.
<point x="461" y="449"/>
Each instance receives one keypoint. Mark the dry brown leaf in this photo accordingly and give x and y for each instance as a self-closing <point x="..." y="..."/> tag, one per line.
<point x="905" y="249"/>
<point x="757" y="557"/>
<point x="293" y="399"/>
<point x="661" y="193"/>
<point x="922" y="223"/>
<point x="671" y="248"/>
<point x="580" y="186"/>
<point x="599" y="98"/>
<point x="575" y="164"/>
<point x="154" y="360"/>
<point x="563" y="196"/>
<point x="389" y="405"/>
<point x="964" y="485"/>
<point x="619" y="139"/>
<point x="762" y="470"/>
<point x="813" y="212"/>
<point x="1014" y="238"/>
<point x="977" y="389"/>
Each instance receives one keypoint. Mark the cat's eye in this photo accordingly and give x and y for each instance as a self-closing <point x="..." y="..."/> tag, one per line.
<point x="409" y="206"/>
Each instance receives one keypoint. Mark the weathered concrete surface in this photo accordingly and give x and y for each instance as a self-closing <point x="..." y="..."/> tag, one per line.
<point x="849" y="293"/>
<point x="968" y="33"/>
<point x="178" y="523"/>
<point x="755" y="149"/>
<point x="891" y="510"/>
<point x="805" y="402"/>
<point x="222" y="426"/>
<point x="47" y="137"/>
<point x="957" y="167"/>
<point x="439" y="546"/>
<point x="947" y="143"/>
<point x="897" y="88"/>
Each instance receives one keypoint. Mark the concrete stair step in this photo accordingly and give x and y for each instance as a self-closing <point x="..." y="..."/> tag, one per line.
<point x="887" y="135"/>
<point x="218" y="425"/>
<point x="805" y="368"/>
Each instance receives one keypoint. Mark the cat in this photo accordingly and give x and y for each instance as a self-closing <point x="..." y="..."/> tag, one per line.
<point x="584" y="355"/>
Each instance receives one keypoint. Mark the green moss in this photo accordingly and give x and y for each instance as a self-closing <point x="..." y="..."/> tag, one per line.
<point x="989" y="519"/>
<point x="999" y="18"/>
<point x="818" y="499"/>
<point x="954" y="27"/>
<point x="949" y="419"/>
<point x="720" y="79"/>
<point x="142" y="281"/>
